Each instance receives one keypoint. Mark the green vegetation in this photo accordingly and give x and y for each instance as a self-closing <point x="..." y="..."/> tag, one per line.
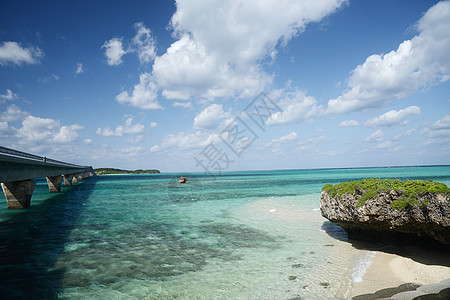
<point x="411" y="189"/>
<point x="110" y="171"/>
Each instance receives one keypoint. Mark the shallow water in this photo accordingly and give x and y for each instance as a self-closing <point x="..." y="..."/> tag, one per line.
<point x="242" y="235"/>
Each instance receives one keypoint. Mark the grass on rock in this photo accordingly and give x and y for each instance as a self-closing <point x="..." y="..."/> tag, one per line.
<point x="411" y="190"/>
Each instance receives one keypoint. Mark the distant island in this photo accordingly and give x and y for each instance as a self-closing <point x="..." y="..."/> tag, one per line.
<point x="112" y="171"/>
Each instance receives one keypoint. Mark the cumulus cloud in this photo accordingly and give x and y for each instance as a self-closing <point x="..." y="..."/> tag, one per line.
<point x="114" y="51"/>
<point x="417" y="64"/>
<point x="145" y="43"/>
<point x="67" y="134"/>
<point x="187" y="104"/>
<point x="37" y="130"/>
<point x="88" y="141"/>
<point x="393" y="117"/>
<point x="153" y="124"/>
<point x="221" y="45"/>
<point x="309" y="143"/>
<point x="349" y="123"/>
<point x="443" y="123"/>
<point x="185" y="141"/>
<point x="377" y="136"/>
<point x="128" y="128"/>
<point x="210" y="117"/>
<point x="136" y="140"/>
<point x="286" y="138"/>
<point x="14" y="53"/>
<point x="9" y="96"/>
<point x="79" y="68"/>
<point x="131" y="151"/>
<point x="144" y="94"/>
<point x="296" y="107"/>
<point x="440" y="129"/>
<point x="390" y="118"/>
<point x="12" y="113"/>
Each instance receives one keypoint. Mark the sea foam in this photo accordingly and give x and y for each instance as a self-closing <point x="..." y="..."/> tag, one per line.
<point x="362" y="264"/>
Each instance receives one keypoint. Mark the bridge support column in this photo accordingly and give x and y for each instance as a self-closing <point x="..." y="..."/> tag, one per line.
<point x="18" y="193"/>
<point x="68" y="179"/>
<point x="54" y="183"/>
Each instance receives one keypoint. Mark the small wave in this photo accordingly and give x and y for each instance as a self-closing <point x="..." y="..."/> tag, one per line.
<point x="362" y="264"/>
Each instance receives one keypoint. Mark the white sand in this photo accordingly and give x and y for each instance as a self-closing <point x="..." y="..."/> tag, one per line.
<point x="391" y="270"/>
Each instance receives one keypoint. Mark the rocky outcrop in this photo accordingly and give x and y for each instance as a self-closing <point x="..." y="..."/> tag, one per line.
<point x="183" y="179"/>
<point x="377" y="220"/>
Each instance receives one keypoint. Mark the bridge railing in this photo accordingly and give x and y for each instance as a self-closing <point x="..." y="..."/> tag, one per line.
<point x="20" y="154"/>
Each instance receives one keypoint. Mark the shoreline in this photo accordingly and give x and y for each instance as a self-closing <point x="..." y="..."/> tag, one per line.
<point x="407" y="267"/>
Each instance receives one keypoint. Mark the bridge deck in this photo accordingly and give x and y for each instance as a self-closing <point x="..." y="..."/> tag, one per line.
<point x="17" y="166"/>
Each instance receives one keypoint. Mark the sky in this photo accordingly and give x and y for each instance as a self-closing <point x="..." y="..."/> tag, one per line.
<point x="214" y="86"/>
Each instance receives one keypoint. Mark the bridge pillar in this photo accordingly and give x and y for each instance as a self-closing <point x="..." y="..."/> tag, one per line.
<point x="80" y="177"/>
<point x="18" y="193"/>
<point x="68" y="179"/>
<point x="54" y="183"/>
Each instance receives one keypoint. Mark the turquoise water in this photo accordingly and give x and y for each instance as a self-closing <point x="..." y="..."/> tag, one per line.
<point x="241" y="235"/>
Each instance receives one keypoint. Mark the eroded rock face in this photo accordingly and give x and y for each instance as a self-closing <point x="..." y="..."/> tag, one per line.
<point x="376" y="220"/>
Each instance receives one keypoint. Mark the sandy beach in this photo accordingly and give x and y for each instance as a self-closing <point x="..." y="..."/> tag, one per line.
<point x="409" y="265"/>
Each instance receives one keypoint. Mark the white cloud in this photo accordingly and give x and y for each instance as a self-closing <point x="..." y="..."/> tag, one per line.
<point x="155" y="148"/>
<point x="187" y="104"/>
<point x="440" y="130"/>
<point x="210" y="117"/>
<point x="153" y="124"/>
<point x="393" y="117"/>
<point x="145" y="43"/>
<point x="309" y="143"/>
<point x="47" y="79"/>
<point x="79" y="69"/>
<point x="443" y="123"/>
<point x="14" y="53"/>
<point x="8" y="96"/>
<point x="384" y="145"/>
<point x="144" y="94"/>
<point x="376" y="136"/>
<point x="222" y="44"/>
<point x="114" y="51"/>
<point x="128" y="128"/>
<point x="12" y="113"/>
<point x="136" y="140"/>
<point x="418" y="63"/>
<point x="286" y="138"/>
<point x="37" y="130"/>
<point x="88" y="141"/>
<point x="349" y="123"/>
<point x="189" y="141"/>
<point x="131" y="151"/>
<point x="67" y="134"/>
<point x="296" y="107"/>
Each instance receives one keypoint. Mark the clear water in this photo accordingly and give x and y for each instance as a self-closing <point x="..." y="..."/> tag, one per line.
<point x="242" y="235"/>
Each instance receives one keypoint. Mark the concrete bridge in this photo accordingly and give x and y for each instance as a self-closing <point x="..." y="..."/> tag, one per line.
<point x="18" y="169"/>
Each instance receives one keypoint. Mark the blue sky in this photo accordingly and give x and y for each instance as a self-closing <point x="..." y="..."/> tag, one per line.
<point x="160" y="84"/>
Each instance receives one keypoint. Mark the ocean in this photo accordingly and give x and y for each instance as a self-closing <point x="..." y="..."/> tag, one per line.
<point x="237" y="235"/>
